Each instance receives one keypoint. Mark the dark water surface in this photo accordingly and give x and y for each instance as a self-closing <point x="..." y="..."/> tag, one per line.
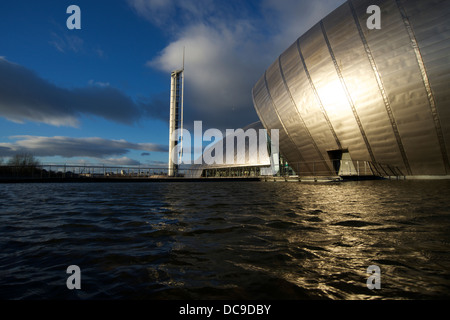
<point x="232" y="240"/>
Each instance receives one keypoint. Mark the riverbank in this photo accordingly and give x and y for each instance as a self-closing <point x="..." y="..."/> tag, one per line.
<point x="124" y="179"/>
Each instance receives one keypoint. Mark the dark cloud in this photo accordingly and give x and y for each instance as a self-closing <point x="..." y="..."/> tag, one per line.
<point x="156" y="107"/>
<point x="68" y="147"/>
<point x="24" y="96"/>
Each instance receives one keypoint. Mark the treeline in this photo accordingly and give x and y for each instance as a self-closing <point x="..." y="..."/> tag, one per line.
<point x="21" y="160"/>
<point x="20" y="165"/>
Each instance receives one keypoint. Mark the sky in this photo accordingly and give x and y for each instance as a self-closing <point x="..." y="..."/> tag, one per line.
<point x="100" y="94"/>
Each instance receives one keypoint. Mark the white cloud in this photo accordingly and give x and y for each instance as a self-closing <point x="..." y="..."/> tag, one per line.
<point x="228" y="47"/>
<point x="98" y="83"/>
<point x="172" y="15"/>
<point x="66" y="43"/>
<point x="156" y="11"/>
<point x="291" y="18"/>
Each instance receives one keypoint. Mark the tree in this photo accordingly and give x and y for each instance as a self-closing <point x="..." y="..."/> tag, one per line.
<point x="23" y="160"/>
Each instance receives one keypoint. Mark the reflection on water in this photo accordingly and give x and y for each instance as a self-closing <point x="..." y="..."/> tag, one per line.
<point x="254" y="240"/>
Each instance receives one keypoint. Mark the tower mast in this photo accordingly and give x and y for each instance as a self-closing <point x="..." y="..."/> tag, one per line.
<point x="176" y="119"/>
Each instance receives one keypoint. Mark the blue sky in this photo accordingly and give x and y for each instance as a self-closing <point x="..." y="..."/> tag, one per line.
<point x="101" y="94"/>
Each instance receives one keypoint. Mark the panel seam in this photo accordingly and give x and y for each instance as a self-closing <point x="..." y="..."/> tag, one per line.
<point x="347" y="93"/>
<point x="298" y="113"/>
<point x="382" y="89"/>
<point x="426" y="82"/>
<point x="316" y="94"/>
<point x="281" y="121"/>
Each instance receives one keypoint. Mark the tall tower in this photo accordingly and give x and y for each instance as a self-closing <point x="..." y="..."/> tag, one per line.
<point x="176" y="118"/>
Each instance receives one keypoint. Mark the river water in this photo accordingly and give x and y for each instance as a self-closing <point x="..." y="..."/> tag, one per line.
<point x="226" y="240"/>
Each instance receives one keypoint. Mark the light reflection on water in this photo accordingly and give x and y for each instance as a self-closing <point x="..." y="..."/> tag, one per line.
<point x="254" y="240"/>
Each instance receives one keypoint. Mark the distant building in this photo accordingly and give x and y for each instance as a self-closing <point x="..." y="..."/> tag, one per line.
<point x="251" y="162"/>
<point x="347" y="97"/>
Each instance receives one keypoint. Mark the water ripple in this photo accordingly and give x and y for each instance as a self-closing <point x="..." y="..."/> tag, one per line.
<point x="225" y="240"/>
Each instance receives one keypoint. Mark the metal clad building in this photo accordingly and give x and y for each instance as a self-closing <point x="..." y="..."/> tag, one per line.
<point x="375" y="95"/>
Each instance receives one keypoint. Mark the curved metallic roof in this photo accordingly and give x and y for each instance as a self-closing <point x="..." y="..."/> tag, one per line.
<point x="244" y="159"/>
<point x="383" y="94"/>
<point x="240" y="159"/>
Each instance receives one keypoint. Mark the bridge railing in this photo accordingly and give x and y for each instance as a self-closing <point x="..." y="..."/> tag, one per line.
<point x="339" y="167"/>
<point x="313" y="168"/>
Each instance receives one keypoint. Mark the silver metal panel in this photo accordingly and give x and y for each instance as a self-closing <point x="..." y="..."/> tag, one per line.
<point x="329" y="88"/>
<point x="308" y="147"/>
<point x="292" y="123"/>
<point x="431" y="25"/>
<point x="258" y="102"/>
<point x="291" y="151"/>
<point x="307" y="104"/>
<point x="356" y="68"/>
<point x="344" y="87"/>
<point x="425" y="80"/>
<point x="397" y="63"/>
<point x="307" y="100"/>
<point x="383" y="94"/>
<point x="271" y="120"/>
<point x="384" y="156"/>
